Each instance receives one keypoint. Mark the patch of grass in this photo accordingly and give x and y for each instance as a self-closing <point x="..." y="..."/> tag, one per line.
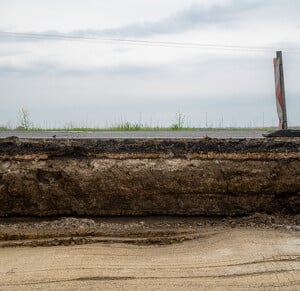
<point x="136" y="127"/>
<point x="127" y="126"/>
<point x="181" y="123"/>
<point x="3" y="128"/>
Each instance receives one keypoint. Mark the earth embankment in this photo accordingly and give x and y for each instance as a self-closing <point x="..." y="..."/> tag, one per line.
<point x="48" y="177"/>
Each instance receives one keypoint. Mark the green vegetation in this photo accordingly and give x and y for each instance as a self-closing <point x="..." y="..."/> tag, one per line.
<point x="24" y="120"/>
<point x="179" y="124"/>
<point x="179" y="121"/>
<point x="134" y="127"/>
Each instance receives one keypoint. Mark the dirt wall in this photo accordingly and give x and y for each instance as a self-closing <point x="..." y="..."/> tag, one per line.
<point x="144" y="176"/>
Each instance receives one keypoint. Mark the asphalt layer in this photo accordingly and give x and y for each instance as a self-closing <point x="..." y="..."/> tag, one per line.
<point x="134" y="134"/>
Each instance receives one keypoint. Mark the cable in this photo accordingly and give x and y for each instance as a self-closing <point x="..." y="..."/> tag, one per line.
<point x="49" y="36"/>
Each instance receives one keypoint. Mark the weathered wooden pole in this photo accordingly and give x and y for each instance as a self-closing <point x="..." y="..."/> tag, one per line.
<point x="280" y="102"/>
<point x="280" y="90"/>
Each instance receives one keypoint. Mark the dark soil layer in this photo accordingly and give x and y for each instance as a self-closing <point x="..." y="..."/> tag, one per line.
<point x="89" y="147"/>
<point x="145" y="177"/>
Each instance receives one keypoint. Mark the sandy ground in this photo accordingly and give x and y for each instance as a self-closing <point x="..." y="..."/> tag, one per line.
<point x="161" y="253"/>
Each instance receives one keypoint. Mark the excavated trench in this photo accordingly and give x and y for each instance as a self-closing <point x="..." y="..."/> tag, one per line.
<point x="52" y="177"/>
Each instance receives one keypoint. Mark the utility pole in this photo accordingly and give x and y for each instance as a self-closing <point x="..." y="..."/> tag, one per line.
<point x="280" y="90"/>
<point x="280" y="102"/>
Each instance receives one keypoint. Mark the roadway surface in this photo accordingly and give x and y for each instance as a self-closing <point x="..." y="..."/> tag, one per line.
<point x="135" y="134"/>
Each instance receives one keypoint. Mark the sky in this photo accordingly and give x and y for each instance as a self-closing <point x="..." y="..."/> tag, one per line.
<point x="100" y="63"/>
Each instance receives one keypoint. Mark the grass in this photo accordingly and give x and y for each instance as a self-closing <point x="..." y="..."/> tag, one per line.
<point x="121" y="126"/>
<point x="127" y="126"/>
<point x="180" y="124"/>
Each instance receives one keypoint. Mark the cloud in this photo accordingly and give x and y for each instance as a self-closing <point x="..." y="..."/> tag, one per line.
<point x="44" y="68"/>
<point x="32" y="68"/>
<point x="12" y="52"/>
<point x="194" y="17"/>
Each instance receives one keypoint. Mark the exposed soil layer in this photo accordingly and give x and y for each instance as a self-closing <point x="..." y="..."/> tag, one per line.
<point x="145" y="177"/>
<point x="30" y="231"/>
<point x="175" y="147"/>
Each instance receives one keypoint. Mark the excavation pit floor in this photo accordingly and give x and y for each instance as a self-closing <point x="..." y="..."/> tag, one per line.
<point x="256" y="252"/>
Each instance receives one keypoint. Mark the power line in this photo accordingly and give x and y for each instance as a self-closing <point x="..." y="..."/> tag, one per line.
<point x="172" y="44"/>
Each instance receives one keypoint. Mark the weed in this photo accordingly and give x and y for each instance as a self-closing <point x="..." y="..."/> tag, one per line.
<point x="179" y="121"/>
<point x="24" y="120"/>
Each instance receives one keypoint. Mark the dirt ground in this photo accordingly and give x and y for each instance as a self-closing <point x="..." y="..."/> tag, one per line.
<point x="257" y="252"/>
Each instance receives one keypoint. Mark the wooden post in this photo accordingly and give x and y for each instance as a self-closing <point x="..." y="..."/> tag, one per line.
<point x="280" y="90"/>
<point x="280" y="102"/>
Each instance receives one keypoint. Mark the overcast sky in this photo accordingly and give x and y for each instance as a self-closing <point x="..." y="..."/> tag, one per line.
<point x="97" y="81"/>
